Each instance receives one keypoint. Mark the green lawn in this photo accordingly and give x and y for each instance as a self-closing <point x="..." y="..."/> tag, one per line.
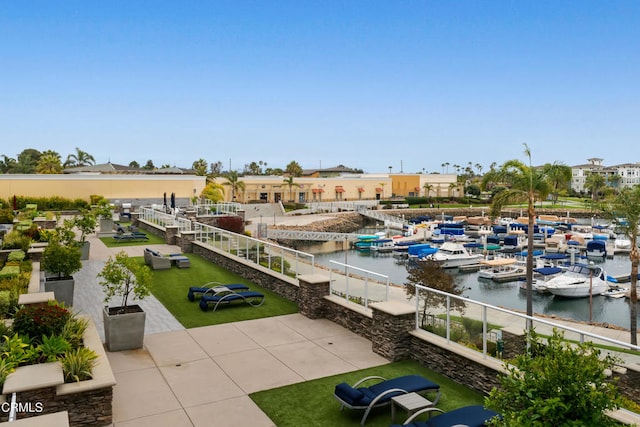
<point x="312" y="402"/>
<point x="171" y="288"/>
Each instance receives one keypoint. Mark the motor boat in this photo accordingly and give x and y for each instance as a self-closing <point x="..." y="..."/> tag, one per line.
<point x="502" y="269"/>
<point x="579" y="281"/>
<point x="452" y="255"/>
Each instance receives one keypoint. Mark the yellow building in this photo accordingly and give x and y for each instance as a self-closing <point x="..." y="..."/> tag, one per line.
<point x="135" y="189"/>
<point x="425" y="185"/>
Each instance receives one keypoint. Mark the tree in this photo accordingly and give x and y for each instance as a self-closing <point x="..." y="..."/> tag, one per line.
<point x="429" y="273"/>
<point x="213" y="191"/>
<point x="49" y="164"/>
<point x="233" y="181"/>
<point x="80" y="158"/>
<point x="253" y="168"/>
<point x="624" y="210"/>
<point x="594" y="182"/>
<point x="427" y="189"/>
<point x="555" y="384"/>
<point x="216" y="169"/>
<point x="200" y="166"/>
<point x="523" y="184"/>
<point x="134" y="164"/>
<point x="123" y="277"/>
<point x="27" y="161"/>
<point x="8" y="164"/>
<point x="293" y="169"/>
<point x="290" y="184"/>
<point x="559" y="176"/>
<point x="149" y="165"/>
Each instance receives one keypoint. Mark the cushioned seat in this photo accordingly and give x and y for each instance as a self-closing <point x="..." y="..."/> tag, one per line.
<point x="469" y="416"/>
<point x="213" y="288"/>
<point x="380" y="393"/>
<point x="228" y="296"/>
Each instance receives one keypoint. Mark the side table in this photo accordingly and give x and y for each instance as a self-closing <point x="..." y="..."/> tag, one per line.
<point x="410" y="402"/>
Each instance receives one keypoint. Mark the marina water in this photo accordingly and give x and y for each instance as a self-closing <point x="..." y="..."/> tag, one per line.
<point x="614" y="311"/>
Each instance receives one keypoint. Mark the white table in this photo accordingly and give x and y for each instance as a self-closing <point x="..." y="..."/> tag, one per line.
<point x="411" y="402"/>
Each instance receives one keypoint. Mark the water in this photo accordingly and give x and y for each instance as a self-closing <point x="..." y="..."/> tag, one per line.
<point x="614" y="311"/>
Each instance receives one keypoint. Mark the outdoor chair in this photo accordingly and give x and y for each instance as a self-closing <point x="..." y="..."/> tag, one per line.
<point x="213" y="288"/>
<point x="380" y="394"/>
<point x="160" y="263"/>
<point x="468" y="416"/>
<point x="148" y="253"/>
<point x="227" y="296"/>
<point x="130" y="237"/>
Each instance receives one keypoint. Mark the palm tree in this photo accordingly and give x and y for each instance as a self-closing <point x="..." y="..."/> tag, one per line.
<point x="80" y="158"/>
<point x="452" y="186"/>
<point x="200" y="166"/>
<point x="49" y="164"/>
<point x="626" y="204"/>
<point x="559" y="176"/>
<point x="594" y="182"/>
<point x="293" y="169"/>
<point x="523" y="183"/>
<point x="290" y="184"/>
<point x="427" y="189"/>
<point x="213" y="191"/>
<point x="233" y="181"/>
<point x="7" y="164"/>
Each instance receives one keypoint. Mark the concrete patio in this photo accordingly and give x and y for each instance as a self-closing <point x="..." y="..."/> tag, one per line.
<point x="202" y="376"/>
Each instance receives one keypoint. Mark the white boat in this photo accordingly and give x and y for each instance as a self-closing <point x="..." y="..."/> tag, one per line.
<point x="382" y="245"/>
<point x="616" y="292"/>
<point x="541" y="275"/>
<point x="622" y="243"/>
<point x="451" y="255"/>
<point x="579" y="281"/>
<point x="501" y="270"/>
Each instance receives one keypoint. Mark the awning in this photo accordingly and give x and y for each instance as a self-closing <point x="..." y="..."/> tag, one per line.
<point x="339" y="189"/>
<point x="360" y="189"/>
<point x="317" y="190"/>
<point x="379" y="190"/>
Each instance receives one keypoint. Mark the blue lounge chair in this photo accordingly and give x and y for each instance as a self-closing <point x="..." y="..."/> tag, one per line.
<point x="380" y="394"/>
<point x="130" y="237"/>
<point x="227" y="296"/>
<point x="213" y="288"/>
<point x="469" y="416"/>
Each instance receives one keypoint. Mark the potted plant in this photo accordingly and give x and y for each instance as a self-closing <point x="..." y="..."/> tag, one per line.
<point x="123" y="277"/>
<point x="86" y="222"/>
<point x="60" y="261"/>
<point x="104" y="211"/>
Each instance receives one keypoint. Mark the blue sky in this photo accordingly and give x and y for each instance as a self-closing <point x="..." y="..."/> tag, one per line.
<point x="367" y="84"/>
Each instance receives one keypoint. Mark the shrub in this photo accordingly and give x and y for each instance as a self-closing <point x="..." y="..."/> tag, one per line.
<point x="9" y="271"/>
<point x="557" y="384"/>
<point x="38" y="320"/>
<point x="16" y="255"/>
<point x="60" y="259"/>
<point x="6" y="216"/>
<point x="73" y="331"/>
<point x="5" y="304"/>
<point x="77" y="365"/>
<point x="6" y="367"/>
<point x="17" y="351"/>
<point x="52" y="348"/>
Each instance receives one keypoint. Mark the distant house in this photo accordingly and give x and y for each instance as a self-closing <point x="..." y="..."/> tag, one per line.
<point x="112" y="168"/>
<point x="330" y="172"/>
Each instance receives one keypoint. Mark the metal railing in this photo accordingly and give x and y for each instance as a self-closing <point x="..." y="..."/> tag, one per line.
<point x="207" y="207"/>
<point x="285" y="261"/>
<point x="357" y="284"/>
<point x="449" y="312"/>
<point x="164" y="219"/>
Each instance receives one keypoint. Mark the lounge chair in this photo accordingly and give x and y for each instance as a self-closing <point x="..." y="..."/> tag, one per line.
<point x="213" y="288"/>
<point x="469" y="416"/>
<point x="148" y="253"/>
<point x="227" y="296"/>
<point x="380" y="394"/>
<point x="160" y="263"/>
<point x="130" y="237"/>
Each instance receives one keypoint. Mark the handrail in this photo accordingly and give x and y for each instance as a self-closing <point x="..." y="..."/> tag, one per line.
<point x="367" y="274"/>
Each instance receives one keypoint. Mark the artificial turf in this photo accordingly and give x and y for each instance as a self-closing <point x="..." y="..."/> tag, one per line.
<point x="171" y="286"/>
<point x="312" y="402"/>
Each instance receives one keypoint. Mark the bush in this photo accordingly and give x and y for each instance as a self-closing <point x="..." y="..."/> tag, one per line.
<point x="38" y="320"/>
<point x="16" y="255"/>
<point x="77" y="365"/>
<point x="6" y="216"/>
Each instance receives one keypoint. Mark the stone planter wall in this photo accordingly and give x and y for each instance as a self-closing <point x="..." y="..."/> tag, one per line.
<point x="354" y="317"/>
<point x="88" y="403"/>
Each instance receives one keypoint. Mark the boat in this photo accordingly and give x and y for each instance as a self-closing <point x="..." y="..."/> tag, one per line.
<point x="541" y="276"/>
<point x="501" y="269"/>
<point x="616" y="292"/>
<point x="596" y="248"/>
<point x="579" y="281"/>
<point x="382" y="245"/>
<point x="365" y="241"/>
<point x="452" y="255"/>
<point x="421" y="250"/>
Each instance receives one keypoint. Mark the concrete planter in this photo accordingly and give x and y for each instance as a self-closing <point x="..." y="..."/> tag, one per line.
<point x="62" y="288"/>
<point x="124" y="331"/>
<point x="106" y="225"/>
<point x="84" y="250"/>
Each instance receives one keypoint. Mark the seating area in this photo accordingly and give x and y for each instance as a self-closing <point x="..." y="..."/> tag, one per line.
<point x="130" y="237"/>
<point x="213" y="288"/>
<point x="469" y="416"/>
<point x="157" y="261"/>
<point x="225" y="296"/>
<point x="360" y="397"/>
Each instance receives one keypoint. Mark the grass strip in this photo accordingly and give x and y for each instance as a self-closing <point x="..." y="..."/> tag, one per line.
<point x="171" y="286"/>
<point x="312" y="402"/>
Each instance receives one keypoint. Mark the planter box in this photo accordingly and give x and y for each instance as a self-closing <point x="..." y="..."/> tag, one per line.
<point x="106" y="225"/>
<point x="62" y="288"/>
<point x="84" y="250"/>
<point x="124" y="331"/>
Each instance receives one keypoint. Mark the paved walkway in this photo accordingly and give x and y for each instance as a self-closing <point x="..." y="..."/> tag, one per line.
<point x="202" y="376"/>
